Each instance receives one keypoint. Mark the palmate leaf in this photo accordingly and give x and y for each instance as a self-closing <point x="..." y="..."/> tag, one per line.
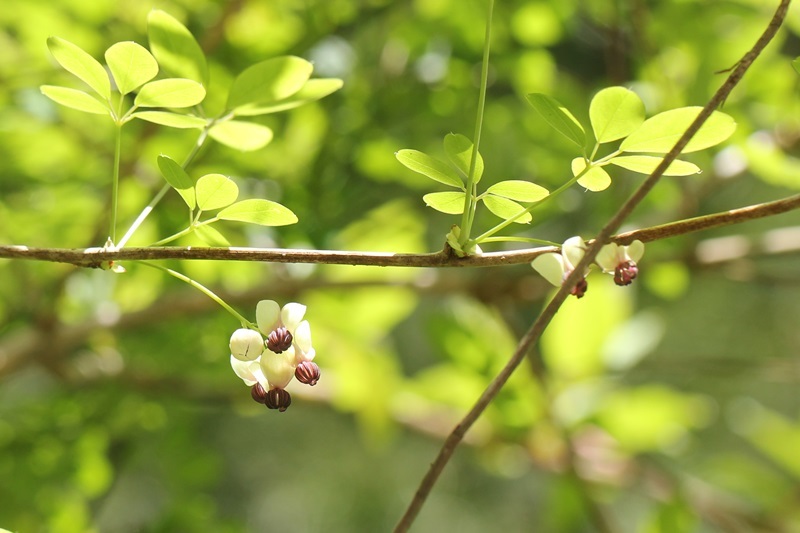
<point x="311" y="91"/>
<point x="214" y="191"/>
<point x="172" y="92"/>
<point x="268" y="82"/>
<point x="519" y="190"/>
<point x="451" y="203"/>
<point x="430" y="167"/>
<point x="459" y="150"/>
<point x="596" y="179"/>
<point x="76" y="61"/>
<point x="646" y="164"/>
<point x="559" y="117"/>
<point x="659" y="133"/>
<point x="257" y="211"/>
<point x="615" y="112"/>
<point x="131" y="65"/>
<point x="505" y="208"/>
<point x="178" y="179"/>
<point x="173" y="120"/>
<point x="175" y="48"/>
<point x="244" y="136"/>
<point x="75" y="99"/>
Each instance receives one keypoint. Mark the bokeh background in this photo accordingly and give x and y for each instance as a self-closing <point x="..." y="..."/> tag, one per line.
<point x="680" y="394"/>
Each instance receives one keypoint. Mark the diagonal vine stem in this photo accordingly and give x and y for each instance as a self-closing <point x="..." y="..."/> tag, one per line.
<point x="539" y="325"/>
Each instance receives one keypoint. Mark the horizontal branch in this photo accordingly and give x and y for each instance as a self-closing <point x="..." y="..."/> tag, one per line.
<point x="95" y="257"/>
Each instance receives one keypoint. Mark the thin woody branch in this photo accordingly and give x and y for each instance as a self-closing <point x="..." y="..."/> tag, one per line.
<point x="543" y="320"/>
<point x="94" y="257"/>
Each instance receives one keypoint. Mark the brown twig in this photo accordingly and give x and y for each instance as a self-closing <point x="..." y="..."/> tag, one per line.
<point x="535" y="331"/>
<point x="95" y="257"/>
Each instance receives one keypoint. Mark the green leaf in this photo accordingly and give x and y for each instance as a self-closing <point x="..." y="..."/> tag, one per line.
<point x="459" y="150"/>
<point x="615" y="112"/>
<point x="211" y="236"/>
<point x="428" y="166"/>
<point x="244" y="136"/>
<point x="173" y="120"/>
<point x="521" y="191"/>
<point x="81" y="64"/>
<point x="172" y="92"/>
<point x="75" y="99"/>
<point x="175" y="47"/>
<point x="178" y="179"/>
<point x="311" y="91"/>
<point x="451" y="203"/>
<point x="268" y="82"/>
<point x="596" y="179"/>
<point x="258" y="211"/>
<point x="646" y="164"/>
<point x="505" y="208"/>
<point x="558" y="117"/>
<point x="214" y="191"/>
<point x="660" y="133"/>
<point x="131" y="65"/>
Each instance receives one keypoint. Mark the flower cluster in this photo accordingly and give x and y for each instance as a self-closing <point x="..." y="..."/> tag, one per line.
<point x="267" y="366"/>
<point x="612" y="258"/>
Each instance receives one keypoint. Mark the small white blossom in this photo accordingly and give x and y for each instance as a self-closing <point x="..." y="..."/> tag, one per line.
<point x="556" y="267"/>
<point x="621" y="261"/>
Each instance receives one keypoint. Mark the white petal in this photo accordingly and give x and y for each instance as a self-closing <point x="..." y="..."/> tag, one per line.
<point x="302" y="356"/>
<point x="291" y="315"/>
<point x="635" y="250"/>
<point x="278" y="368"/>
<point x="573" y="251"/>
<point x="267" y="313"/>
<point x="246" y="344"/>
<point x="302" y="336"/>
<point x="551" y="267"/>
<point x="608" y="257"/>
<point x="244" y="371"/>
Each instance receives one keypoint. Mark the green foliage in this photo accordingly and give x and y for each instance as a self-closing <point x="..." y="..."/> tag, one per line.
<point x="86" y="68"/>
<point x="660" y="133"/>
<point x="559" y="117"/>
<point x="131" y="66"/>
<point x="175" y="48"/>
<point x="615" y="113"/>
<point x="132" y="420"/>
<point x="267" y="82"/>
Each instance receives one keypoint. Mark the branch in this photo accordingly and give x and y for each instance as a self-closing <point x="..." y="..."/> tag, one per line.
<point x="535" y="331"/>
<point x="94" y="257"/>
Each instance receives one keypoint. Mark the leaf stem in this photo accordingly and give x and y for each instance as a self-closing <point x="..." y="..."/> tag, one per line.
<point x="470" y="201"/>
<point x="157" y="198"/>
<point x="112" y="230"/>
<point x="202" y="288"/>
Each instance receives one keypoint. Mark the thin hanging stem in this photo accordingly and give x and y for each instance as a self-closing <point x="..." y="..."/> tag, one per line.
<point x="472" y="186"/>
<point x="202" y="288"/>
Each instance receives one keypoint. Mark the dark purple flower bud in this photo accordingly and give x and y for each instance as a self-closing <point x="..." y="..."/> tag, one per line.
<point x="258" y="393"/>
<point x="279" y="340"/>
<point x="278" y="399"/>
<point x="307" y="372"/>
<point x="625" y="273"/>
<point x="580" y="288"/>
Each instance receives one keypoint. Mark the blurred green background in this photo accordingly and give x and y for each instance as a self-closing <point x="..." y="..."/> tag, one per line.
<point x="119" y="411"/>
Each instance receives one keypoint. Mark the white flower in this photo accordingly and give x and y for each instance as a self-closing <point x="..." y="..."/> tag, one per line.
<point x="274" y="322"/>
<point x="246" y="344"/>
<point x="556" y="267"/>
<point x="621" y="261"/>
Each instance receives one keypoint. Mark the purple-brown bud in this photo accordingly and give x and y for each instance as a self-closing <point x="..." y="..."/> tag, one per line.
<point x="258" y="393"/>
<point x="279" y="340"/>
<point x="307" y="372"/>
<point x="625" y="273"/>
<point x="278" y="399"/>
<point x="580" y="288"/>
